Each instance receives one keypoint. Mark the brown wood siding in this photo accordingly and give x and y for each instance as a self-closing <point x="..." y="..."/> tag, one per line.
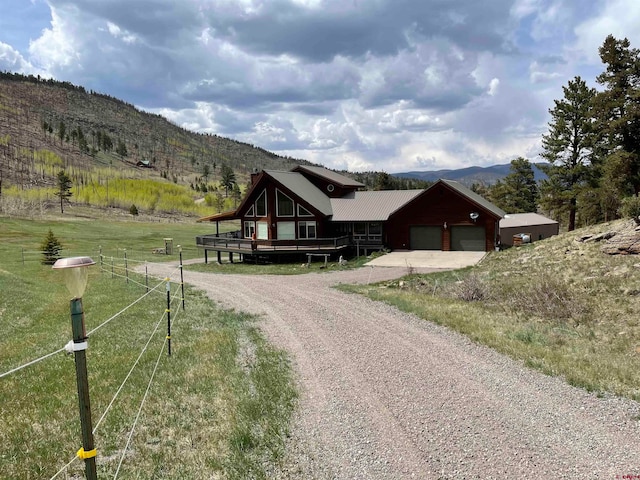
<point x="271" y="217"/>
<point x="435" y="207"/>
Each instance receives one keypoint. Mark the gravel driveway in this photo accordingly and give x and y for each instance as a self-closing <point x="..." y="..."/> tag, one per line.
<point x="386" y="395"/>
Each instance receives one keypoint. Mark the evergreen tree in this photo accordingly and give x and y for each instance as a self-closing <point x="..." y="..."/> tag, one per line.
<point x="568" y="147"/>
<point x="518" y="193"/>
<point x="50" y="248"/>
<point x="383" y="181"/>
<point x="64" y="188"/>
<point x="227" y="178"/>
<point x="236" y="194"/>
<point x="617" y="111"/>
<point x="206" y="171"/>
<point x="121" y="149"/>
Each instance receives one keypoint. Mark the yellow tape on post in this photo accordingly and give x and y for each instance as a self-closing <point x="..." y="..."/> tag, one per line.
<point x="85" y="455"/>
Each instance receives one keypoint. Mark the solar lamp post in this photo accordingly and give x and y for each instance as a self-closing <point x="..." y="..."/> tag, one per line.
<point x="75" y="273"/>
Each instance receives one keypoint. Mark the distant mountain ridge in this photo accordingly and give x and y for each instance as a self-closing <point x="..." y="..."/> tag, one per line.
<point x="470" y="175"/>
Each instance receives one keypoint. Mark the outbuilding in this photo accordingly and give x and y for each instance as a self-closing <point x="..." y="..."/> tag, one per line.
<point x="536" y="226"/>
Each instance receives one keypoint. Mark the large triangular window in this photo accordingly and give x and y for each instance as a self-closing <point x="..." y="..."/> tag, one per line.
<point x="284" y="205"/>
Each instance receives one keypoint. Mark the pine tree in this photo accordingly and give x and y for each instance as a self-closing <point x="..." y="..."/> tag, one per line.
<point x="617" y="110"/>
<point x="518" y="193"/>
<point x="64" y="188"/>
<point x="227" y="178"/>
<point x="50" y="249"/>
<point x="568" y="147"/>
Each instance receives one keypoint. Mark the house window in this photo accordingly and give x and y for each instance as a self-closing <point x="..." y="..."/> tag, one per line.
<point x="375" y="230"/>
<point x="303" y="212"/>
<point x="261" y="204"/>
<point x="286" y="231"/>
<point x="250" y="212"/>
<point x="306" y="229"/>
<point x="263" y="230"/>
<point x="284" y="204"/>
<point x="249" y="229"/>
<point x="359" y="231"/>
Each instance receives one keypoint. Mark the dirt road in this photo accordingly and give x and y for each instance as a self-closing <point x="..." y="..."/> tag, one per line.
<point x="386" y="395"/>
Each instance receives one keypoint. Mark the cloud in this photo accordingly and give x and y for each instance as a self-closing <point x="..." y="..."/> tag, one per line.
<point x="380" y="84"/>
<point x="12" y="60"/>
<point x="619" y="18"/>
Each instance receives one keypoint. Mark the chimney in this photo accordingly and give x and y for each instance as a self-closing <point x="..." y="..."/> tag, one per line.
<point x="254" y="176"/>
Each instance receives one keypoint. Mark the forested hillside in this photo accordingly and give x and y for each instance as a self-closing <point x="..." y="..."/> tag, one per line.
<point x="47" y="126"/>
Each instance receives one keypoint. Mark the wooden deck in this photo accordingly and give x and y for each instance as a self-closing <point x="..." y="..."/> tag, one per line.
<point x="244" y="246"/>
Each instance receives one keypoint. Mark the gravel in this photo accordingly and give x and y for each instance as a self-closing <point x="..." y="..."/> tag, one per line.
<point x="386" y="395"/>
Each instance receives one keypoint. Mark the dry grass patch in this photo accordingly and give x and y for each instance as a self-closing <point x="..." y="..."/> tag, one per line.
<point x="559" y="305"/>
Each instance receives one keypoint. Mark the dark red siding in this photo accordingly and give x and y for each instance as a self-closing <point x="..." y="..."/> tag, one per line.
<point x="437" y="206"/>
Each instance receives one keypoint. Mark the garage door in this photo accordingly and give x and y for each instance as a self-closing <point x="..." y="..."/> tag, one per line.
<point x="468" y="238"/>
<point x="425" y="237"/>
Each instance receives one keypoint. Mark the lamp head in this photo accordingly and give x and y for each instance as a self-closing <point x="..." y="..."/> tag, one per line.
<point x="75" y="273"/>
<point x="474" y="216"/>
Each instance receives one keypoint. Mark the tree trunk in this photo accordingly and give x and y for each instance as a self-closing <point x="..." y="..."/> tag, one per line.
<point x="572" y="214"/>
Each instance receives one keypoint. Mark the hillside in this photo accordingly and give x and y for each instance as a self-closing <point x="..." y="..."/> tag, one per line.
<point x="46" y="125"/>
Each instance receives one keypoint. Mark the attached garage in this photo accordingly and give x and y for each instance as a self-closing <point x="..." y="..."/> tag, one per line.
<point x="425" y="237"/>
<point x="468" y="238"/>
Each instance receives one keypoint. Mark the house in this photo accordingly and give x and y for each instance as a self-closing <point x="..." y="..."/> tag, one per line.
<point x="312" y="209"/>
<point x="143" y="163"/>
<point x="535" y="225"/>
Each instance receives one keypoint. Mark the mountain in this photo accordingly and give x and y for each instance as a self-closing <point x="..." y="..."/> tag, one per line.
<point x="44" y="121"/>
<point x="470" y="175"/>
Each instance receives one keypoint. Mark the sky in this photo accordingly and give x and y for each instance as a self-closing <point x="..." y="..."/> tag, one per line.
<point x="358" y="85"/>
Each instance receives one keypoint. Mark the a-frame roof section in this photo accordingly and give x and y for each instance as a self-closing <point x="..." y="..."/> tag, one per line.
<point x="370" y="206"/>
<point x="330" y="175"/>
<point x="303" y="189"/>
<point x="472" y="196"/>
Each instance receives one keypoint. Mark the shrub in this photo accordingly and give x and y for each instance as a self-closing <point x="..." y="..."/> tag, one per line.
<point x="550" y="298"/>
<point x="630" y="208"/>
<point x="50" y="248"/>
<point x="133" y="210"/>
<point x="472" y="288"/>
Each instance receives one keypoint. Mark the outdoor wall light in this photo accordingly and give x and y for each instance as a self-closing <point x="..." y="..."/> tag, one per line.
<point x="445" y="225"/>
<point x="474" y="216"/>
<point x="74" y="274"/>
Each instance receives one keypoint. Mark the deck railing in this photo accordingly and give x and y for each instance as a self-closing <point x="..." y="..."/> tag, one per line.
<point x="228" y="242"/>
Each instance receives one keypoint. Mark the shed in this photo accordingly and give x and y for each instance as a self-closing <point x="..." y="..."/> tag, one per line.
<point x="538" y="226"/>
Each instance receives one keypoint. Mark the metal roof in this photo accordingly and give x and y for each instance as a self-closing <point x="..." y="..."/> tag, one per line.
<point x="514" y="220"/>
<point x="330" y="175"/>
<point x="303" y="188"/>
<point x="230" y="215"/>
<point x="370" y="206"/>
<point x="473" y="196"/>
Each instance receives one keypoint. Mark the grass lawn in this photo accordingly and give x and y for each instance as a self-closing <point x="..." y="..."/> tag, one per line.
<point x="560" y="306"/>
<point x="218" y="407"/>
<point x="296" y="268"/>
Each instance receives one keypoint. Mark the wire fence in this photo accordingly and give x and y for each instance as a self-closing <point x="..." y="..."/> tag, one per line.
<point x="118" y="268"/>
<point x="135" y="255"/>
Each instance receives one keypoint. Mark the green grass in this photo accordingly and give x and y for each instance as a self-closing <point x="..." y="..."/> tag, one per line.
<point x="296" y="268"/>
<point x="559" y="306"/>
<point x="89" y="236"/>
<point x="218" y="407"/>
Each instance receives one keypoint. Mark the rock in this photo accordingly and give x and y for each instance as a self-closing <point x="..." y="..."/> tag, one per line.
<point x="623" y="244"/>
<point x="600" y="237"/>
